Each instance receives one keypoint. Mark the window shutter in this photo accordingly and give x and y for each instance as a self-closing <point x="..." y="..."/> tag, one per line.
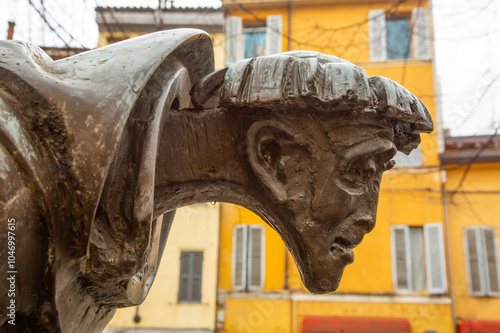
<point x="377" y="35"/>
<point x="190" y="277"/>
<point x="239" y="257"/>
<point x="473" y="258"/>
<point x="435" y="260"/>
<point x="401" y="258"/>
<point x="184" y="290"/>
<point x="491" y="258"/>
<point x="256" y="245"/>
<point x="196" y="269"/>
<point x="274" y="34"/>
<point x="421" y="33"/>
<point x="234" y="39"/>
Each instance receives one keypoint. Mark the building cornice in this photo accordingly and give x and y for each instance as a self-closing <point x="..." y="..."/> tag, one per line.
<point x="465" y="149"/>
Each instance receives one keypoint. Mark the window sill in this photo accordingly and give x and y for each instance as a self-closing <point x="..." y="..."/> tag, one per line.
<point x="394" y="63"/>
<point x="189" y="303"/>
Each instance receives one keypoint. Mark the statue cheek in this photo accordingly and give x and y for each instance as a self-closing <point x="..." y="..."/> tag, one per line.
<point x="334" y="202"/>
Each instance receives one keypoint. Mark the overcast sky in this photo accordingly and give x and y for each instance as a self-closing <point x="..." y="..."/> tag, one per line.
<point x="467" y="42"/>
<point x="466" y="38"/>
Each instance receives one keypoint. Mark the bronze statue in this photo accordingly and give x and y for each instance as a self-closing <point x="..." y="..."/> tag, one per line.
<point x="98" y="150"/>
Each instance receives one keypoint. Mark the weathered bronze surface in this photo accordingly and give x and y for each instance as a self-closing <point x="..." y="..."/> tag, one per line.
<point x="99" y="149"/>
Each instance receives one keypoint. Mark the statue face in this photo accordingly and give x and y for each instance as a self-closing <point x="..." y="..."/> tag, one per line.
<point x="344" y="191"/>
<point x="328" y="185"/>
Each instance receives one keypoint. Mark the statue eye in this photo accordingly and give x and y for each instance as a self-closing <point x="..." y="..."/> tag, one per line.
<point x="363" y="170"/>
<point x="360" y="171"/>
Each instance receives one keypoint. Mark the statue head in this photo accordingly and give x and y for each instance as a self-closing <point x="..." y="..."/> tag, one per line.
<point x="320" y="135"/>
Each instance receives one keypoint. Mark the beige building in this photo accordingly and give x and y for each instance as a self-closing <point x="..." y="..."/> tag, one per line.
<point x="183" y="296"/>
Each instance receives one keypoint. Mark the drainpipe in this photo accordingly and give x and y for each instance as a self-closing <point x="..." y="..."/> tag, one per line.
<point x="447" y="246"/>
<point x="10" y="32"/>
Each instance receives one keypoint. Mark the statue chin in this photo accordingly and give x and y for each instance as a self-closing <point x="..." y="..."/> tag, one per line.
<point x="321" y="269"/>
<point x="326" y="273"/>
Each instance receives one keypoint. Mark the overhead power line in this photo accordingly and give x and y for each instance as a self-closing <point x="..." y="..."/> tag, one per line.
<point x="48" y="24"/>
<point x="388" y="11"/>
<point x="44" y="18"/>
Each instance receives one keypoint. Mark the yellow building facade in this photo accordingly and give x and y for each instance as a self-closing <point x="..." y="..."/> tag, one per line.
<point x="399" y="280"/>
<point x="472" y="167"/>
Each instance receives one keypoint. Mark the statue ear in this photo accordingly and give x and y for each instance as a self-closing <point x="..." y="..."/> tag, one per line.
<point x="270" y="146"/>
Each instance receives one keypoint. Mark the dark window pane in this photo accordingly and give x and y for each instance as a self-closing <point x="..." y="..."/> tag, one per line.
<point x="398" y="38"/>
<point x="256" y="257"/>
<point x="255" y="44"/>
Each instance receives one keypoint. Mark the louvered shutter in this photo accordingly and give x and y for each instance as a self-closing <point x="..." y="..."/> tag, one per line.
<point x="435" y="259"/>
<point x="239" y="271"/>
<point x="196" y="269"/>
<point x="491" y="260"/>
<point x="234" y="39"/>
<point x="274" y="34"/>
<point x="421" y="32"/>
<point x="401" y="258"/>
<point x="256" y="257"/>
<point x="190" y="277"/>
<point x="377" y="35"/>
<point x="184" y="277"/>
<point x="473" y="257"/>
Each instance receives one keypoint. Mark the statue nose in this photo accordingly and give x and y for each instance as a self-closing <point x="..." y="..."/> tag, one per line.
<point x="366" y="224"/>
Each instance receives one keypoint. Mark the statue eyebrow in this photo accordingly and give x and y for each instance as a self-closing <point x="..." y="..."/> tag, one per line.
<point x="373" y="126"/>
<point x="383" y="147"/>
<point x="349" y="142"/>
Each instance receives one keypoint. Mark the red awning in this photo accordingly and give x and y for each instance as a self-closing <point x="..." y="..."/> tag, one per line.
<point x="479" y="326"/>
<point x="355" y="325"/>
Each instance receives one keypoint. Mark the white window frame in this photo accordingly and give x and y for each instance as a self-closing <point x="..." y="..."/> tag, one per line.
<point x="243" y="284"/>
<point x="246" y="260"/>
<point x="406" y="230"/>
<point x="262" y="257"/>
<point x="485" y="285"/>
<point x="274" y="34"/>
<point x="234" y="37"/>
<point x="428" y="260"/>
<point x="420" y="41"/>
